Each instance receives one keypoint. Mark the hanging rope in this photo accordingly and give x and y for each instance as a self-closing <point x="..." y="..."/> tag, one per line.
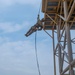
<point x="36" y="42"/>
<point x="39" y="11"/>
<point x="40" y="8"/>
<point x="36" y="53"/>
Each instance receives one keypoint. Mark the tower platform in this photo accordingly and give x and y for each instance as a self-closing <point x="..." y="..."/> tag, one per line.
<point x="54" y="13"/>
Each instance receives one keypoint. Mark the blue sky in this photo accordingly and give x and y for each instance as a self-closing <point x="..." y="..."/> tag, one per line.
<point x="17" y="54"/>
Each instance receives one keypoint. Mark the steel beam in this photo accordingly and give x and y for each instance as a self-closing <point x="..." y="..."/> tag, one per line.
<point x="59" y="48"/>
<point x="51" y="18"/>
<point x="54" y="53"/>
<point x="67" y="68"/>
<point x="71" y="11"/>
<point x="69" y="46"/>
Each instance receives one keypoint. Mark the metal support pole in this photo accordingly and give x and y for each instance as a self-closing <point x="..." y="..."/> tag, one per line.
<point x="54" y="53"/>
<point x="59" y="48"/>
<point x="67" y="68"/>
<point x="69" y="46"/>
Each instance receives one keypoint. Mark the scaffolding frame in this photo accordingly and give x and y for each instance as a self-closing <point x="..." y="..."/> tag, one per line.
<point x="54" y="21"/>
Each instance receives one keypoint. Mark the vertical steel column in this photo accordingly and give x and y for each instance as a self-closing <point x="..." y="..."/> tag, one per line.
<point x="54" y="53"/>
<point x="68" y="37"/>
<point x="59" y="48"/>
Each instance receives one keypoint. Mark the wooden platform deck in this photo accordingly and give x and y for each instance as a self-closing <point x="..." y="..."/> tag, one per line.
<point x="54" y="13"/>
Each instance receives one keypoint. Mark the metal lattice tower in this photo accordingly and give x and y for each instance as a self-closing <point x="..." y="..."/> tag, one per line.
<point x="59" y="17"/>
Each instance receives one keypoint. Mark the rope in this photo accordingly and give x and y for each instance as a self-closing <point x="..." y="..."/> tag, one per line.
<point x="39" y="8"/>
<point x="36" y="53"/>
<point x="36" y="43"/>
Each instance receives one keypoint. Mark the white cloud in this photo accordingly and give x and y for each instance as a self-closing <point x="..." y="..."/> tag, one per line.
<point x="8" y="27"/>
<point x="19" y="56"/>
<point x="4" y="39"/>
<point x="4" y="3"/>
